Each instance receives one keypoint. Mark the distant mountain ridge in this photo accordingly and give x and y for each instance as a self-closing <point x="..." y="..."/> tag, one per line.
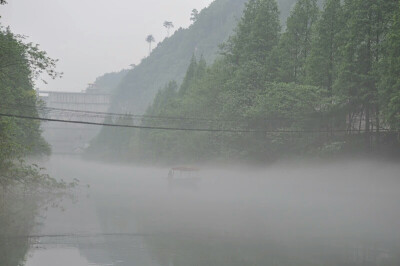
<point x="170" y="59"/>
<point x="108" y="82"/>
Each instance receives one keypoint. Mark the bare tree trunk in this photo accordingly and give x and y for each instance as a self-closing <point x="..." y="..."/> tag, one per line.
<point x="378" y="125"/>
<point x="350" y="124"/>
<point x="367" y="126"/>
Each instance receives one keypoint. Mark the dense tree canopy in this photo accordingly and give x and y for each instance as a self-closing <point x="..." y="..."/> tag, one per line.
<point x="20" y="65"/>
<point x="295" y="44"/>
<point x="24" y="188"/>
<point x="328" y="83"/>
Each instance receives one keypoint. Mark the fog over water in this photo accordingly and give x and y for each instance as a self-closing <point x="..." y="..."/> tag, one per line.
<point x="344" y="213"/>
<point x="199" y="133"/>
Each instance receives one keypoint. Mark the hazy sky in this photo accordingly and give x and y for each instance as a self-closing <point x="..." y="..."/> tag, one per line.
<point x="93" y="37"/>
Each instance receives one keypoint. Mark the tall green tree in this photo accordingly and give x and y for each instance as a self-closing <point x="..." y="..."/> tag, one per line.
<point x="195" y="72"/>
<point x="256" y="34"/>
<point x="251" y="52"/>
<point x="389" y="86"/>
<point x="322" y="63"/>
<point x="164" y="97"/>
<point x="190" y="75"/>
<point x="168" y="25"/>
<point x="194" y="15"/>
<point x="150" y="39"/>
<point x="367" y="24"/>
<point x="248" y="53"/>
<point x="20" y="65"/>
<point x="24" y="189"/>
<point x="295" y="44"/>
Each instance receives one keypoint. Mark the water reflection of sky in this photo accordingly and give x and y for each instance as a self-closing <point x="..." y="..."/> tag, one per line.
<point x="97" y="249"/>
<point x="298" y="215"/>
<point x="63" y="256"/>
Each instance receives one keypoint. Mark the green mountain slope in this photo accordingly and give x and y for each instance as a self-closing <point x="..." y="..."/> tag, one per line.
<point x="170" y="59"/>
<point x="108" y="82"/>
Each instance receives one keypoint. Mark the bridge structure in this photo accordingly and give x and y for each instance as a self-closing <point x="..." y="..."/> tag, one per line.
<point x="66" y="138"/>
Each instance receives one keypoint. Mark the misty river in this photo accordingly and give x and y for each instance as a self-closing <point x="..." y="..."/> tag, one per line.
<point x="344" y="213"/>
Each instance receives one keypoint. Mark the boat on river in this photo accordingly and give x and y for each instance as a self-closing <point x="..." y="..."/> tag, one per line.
<point x="183" y="176"/>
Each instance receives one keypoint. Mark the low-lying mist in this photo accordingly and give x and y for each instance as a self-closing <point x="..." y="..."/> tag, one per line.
<point x="342" y="213"/>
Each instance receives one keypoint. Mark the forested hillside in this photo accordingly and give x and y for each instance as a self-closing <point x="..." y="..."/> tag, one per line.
<point x="169" y="60"/>
<point x="109" y="82"/>
<point x="328" y="84"/>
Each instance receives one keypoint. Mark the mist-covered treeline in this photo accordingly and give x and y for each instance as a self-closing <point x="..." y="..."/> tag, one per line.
<point x="329" y="81"/>
<point x="170" y="58"/>
<point x="109" y="82"/>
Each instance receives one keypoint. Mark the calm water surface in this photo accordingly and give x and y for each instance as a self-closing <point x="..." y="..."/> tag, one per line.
<point x="336" y="214"/>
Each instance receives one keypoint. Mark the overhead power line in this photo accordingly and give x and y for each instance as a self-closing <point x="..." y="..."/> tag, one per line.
<point x="178" y="128"/>
<point x="133" y="116"/>
<point x="121" y="114"/>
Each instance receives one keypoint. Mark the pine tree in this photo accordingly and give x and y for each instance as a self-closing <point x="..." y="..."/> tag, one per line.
<point x="256" y="34"/>
<point x="201" y="68"/>
<point x="321" y="65"/>
<point x="190" y="75"/>
<point x="163" y="97"/>
<point x="295" y="44"/>
<point x="366" y="27"/>
<point x="389" y="87"/>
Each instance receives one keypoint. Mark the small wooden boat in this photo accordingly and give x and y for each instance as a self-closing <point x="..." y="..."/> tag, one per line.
<point x="183" y="176"/>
